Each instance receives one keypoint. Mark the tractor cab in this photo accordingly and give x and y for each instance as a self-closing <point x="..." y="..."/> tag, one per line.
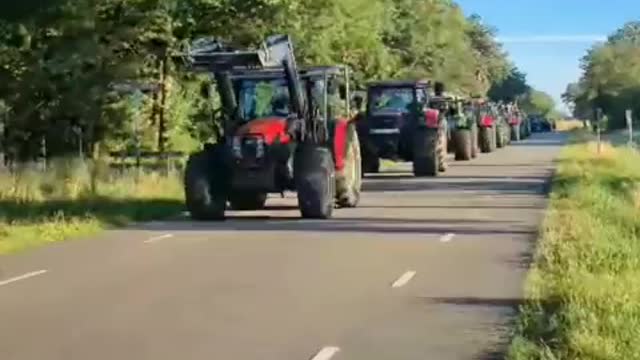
<point x="263" y="96"/>
<point x="393" y="109"/>
<point x="283" y="130"/>
<point x="402" y="124"/>
<point x="392" y="104"/>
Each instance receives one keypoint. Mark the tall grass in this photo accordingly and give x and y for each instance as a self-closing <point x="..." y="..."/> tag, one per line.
<point x="583" y="293"/>
<point x="74" y="198"/>
<point x="569" y="125"/>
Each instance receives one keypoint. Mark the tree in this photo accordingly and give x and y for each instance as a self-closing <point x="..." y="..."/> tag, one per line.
<point x="98" y="75"/>
<point x="537" y="102"/>
<point x="611" y="76"/>
<point x="511" y="87"/>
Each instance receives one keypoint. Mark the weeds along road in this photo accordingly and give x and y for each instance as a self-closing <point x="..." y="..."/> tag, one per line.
<point x="423" y="269"/>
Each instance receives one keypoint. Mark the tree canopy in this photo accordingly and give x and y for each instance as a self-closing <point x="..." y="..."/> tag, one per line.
<point x="96" y="75"/>
<point x="610" y="77"/>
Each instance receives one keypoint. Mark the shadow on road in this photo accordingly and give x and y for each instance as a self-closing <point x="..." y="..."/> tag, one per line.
<point x="408" y="176"/>
<point x="507" y="187"/>
<point x="452" y="207"/>
<point x="498" y="350"/>
<point x="476" y="301"/>
<point x="349" y="225"/>
<point x="110" y="211"/>
<point x="549" y="140"/>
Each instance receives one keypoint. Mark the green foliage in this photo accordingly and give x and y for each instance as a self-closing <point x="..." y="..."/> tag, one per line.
<point x="510" y="87"/>
<point x="71" y="67"/>
<point x="582" y="291"/>
<point x="75" y="198"/>
<point x="537" y="102"/>
<point x="610" y="78"/>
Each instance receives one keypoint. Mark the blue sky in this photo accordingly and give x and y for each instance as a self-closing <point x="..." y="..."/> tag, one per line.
<point x="547" y="38"/>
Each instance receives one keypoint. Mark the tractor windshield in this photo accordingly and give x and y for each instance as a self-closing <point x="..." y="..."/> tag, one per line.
<point x="391" y="100"/>
<point x="263" y="98"/>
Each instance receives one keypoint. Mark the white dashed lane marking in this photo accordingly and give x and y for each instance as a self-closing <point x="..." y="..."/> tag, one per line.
<point x="158" y="238"/>
<point x="326" y="353"/>
<point x="404" y="279"/>
<point x="447" y="237"/>
<point x="23" y="277"/>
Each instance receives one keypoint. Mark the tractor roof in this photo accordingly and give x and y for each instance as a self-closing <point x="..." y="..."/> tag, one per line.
<point x="305" y="72"/>
<point x="400" y="83"/>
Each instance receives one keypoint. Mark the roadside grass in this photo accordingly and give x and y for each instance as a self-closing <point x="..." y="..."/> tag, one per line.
<point x="583" y="292"/>
<point x="74" y="199"/>
<point x="569" y="125"/>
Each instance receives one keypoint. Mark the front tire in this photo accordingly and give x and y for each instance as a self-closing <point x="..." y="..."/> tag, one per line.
<point x="463" y="144"/>
<point x="474" y="142"/>
<point x="426" y="152"/>
<point x="486" y="139"/>
<point x="315" y="180"/>
<point x="349" y="179"/>
<point x="499" y="137"/>
<point x="206" y="184"/>
<point x="441" y="147"/>
<point x="515" y="133"/>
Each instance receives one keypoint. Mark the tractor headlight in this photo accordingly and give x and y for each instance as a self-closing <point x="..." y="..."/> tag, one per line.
<point x="259" y="148"/>
<point x="236" y="146"/>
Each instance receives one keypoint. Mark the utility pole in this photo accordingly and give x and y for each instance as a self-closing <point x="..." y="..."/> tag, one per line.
<point x="629" y="117"/>
<point x="3" y="140"/>
<point x="598" y="126"/>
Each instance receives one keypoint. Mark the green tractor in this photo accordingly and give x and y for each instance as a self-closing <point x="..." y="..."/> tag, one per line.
<point x="503" y="129"/>
<point x="464" y="130"/>
<point x="285" y="129"/>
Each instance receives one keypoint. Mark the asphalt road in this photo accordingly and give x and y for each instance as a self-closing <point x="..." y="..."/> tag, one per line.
<point x="423" y="269"/>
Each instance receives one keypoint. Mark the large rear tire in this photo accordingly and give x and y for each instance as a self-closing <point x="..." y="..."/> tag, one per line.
<point x="474" y="142"/>
<point x="206" y="184"/>
<point x="486" y="139"/>
<point x="463" y="144"/>
<point x="315" y="179"/>
<point x="247" y="200"/>
<point x="349" y="179"/>
<point x="499" y="137"/>
<point x="515" y="132"/>
<point x="450" y="140"/>
<point x="441" y="147"/>
<point x="426" y="152"/>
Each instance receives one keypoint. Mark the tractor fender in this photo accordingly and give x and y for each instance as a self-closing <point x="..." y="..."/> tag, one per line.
<point x="340" y="139"/>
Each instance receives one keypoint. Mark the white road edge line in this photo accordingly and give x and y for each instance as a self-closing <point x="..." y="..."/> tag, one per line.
<point x="158" y="238"/>
<point x="448" y="237"/>
<point x="23" y="277"/>
<point x="326" y="353"/>
<point x="404" y="279"/>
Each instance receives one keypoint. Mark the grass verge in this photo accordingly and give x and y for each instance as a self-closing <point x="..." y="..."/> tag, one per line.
<point x="74" y="199"/>
<point x="584" y="288"/>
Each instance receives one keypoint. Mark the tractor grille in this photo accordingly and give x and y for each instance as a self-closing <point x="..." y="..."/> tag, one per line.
<point x="253" y="150"/>
<point x="386" y="122"/>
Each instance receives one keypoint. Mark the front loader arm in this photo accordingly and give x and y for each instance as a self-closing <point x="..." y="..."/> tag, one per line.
<point x="276" y="53"/>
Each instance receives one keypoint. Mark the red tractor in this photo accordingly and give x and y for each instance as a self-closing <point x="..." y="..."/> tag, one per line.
<point x="515" y="122"/>
<point x="284" y="129"/>
<point x="487" y="124"/>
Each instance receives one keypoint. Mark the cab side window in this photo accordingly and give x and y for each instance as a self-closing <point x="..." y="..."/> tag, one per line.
<point x="421" y="97"/>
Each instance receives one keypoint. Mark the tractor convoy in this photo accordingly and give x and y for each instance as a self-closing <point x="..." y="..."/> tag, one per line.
<point x="290" y="128"/>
